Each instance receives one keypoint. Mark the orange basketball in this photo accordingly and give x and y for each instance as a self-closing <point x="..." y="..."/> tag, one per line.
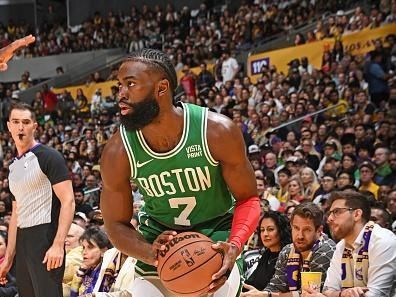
<point x="188" y="263"/>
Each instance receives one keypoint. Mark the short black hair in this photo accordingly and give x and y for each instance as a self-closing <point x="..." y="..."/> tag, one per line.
<point x="357" y="93"/>
<point x="365" y="145"/>
<point x="350" y="176"/>
<point x="78" y="190"/>
<point x="351" y="156"/>
<point x="349" y="187"/>
<point x="348" y="138"/>
<point x="23" y="106"/>
<point x="329" y="174"/>
<point x="353" y="200"/>
<point x="361" y="125"/>
<point x="158" y="60"/>
<point x="385" y="214"/>
<point x="285" y="171"/>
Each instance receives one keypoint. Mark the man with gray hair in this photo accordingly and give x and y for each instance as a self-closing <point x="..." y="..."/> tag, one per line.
<point x="74" y="256"/>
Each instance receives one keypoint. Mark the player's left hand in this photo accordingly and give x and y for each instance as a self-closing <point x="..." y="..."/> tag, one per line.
<point x="54" y="256"/>
<point x="230" y="252"/>
<point x="160" y="242"/>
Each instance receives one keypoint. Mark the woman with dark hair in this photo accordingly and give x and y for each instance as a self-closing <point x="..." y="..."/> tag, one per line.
<point x="274" y="233"/>
<point x="299" y="39"/>
<point x="349" y="164"/>
<point x="264" y="126"/>
<point x="83" y="148"/>
<point x="326" y="62"/>
<point x="82" y="104"/>
<point x="345" y="179"/>
<point x="292" y="138"/>
<point x="338" y="51"/>
<point x="94" y="242"/>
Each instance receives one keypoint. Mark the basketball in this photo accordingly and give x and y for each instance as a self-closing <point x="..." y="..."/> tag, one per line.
<point x="187" y="264"/>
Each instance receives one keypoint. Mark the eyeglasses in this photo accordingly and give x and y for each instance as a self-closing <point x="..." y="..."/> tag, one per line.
<point x="338" y="211"/>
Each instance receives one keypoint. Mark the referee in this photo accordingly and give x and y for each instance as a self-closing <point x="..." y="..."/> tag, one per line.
<point x="42" y="211"/>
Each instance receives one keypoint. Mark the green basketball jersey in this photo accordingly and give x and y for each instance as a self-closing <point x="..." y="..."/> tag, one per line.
<point x="183" y="187"/>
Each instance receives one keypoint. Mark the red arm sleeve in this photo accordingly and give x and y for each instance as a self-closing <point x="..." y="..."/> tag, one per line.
<point x="246" y="218"/>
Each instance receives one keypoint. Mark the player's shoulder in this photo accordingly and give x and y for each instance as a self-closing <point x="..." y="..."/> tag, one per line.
<point x="114" y="146"/>
<point x="114" y="152"/>
<point x="220" y="125"/>
<point x="224" y="138"/>
<point x="114" y="162"/>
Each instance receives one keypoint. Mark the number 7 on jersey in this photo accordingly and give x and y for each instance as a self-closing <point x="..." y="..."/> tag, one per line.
<point x="189" y="202"/>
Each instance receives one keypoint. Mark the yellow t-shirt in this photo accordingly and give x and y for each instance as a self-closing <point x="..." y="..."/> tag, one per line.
<point x="73" y="261"/>
<point x="372" y="188"/>
<point x="339" y="110"/>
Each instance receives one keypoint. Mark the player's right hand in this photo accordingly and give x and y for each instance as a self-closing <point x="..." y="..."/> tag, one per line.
<point x="4" y="268"/>
<point x="160" y="242"/>
<point x="7" y="52"/>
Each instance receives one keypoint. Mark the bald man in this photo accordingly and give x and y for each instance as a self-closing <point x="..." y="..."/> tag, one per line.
<point x="73" y="237"/>
<point x="74" y="256"/>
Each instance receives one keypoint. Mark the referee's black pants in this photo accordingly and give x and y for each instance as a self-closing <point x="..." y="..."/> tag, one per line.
<point x="33" y="279"/>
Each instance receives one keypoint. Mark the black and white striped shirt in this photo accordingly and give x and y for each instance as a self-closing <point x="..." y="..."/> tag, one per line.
<point x="31" y="178"/>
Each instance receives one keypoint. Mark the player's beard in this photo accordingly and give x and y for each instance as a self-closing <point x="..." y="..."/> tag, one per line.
<point x="142" y="114"/>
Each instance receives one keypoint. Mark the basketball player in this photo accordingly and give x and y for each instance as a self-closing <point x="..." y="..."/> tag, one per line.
<point x="7" y="52"/>
<point x="189" y="165"/>
<point x="41" y="213"/>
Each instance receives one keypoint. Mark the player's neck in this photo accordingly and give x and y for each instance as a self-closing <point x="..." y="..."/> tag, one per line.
<point x="165" y="131"/>
<point x="166" y="123"/>
<point x="22" y="148"/>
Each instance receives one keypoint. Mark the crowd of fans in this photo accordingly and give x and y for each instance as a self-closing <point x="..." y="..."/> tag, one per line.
<point x="341" y="24"/>
<point x="351" y="146"/>
<point x="189" y="35"/>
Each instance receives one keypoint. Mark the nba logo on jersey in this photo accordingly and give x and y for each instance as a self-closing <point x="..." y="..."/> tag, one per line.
<point x="187" y="258"/>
